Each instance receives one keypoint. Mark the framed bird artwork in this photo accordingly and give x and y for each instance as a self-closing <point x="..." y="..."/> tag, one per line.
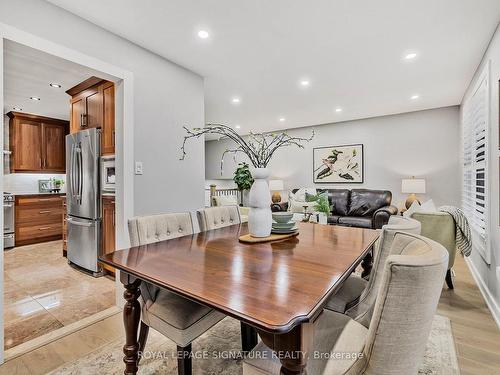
<point x="338" y="164"/>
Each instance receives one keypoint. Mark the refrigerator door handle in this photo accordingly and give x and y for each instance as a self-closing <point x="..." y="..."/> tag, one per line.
<point x="77" y="172"/>
<point x="80" y="170"/>
<point x="70" y="177"/>
<point x="79" y="223"/>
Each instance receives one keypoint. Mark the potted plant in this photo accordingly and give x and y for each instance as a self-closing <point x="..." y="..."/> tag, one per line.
<point x="243" y="179"/>
<point x="57" y="184"/>
<point x="323" y="208"/>
<point x="259" y="148"/>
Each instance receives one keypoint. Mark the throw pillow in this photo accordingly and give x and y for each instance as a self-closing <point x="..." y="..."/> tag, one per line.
<point x="300" y="194"/>
<point x="297" y="207"/>
<point x="428" y="206"/>
<point x="415" y="207"/>
<point x="226" y="200"/>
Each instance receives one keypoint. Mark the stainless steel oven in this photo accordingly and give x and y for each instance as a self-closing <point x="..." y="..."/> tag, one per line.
<point x="8" y="220"/>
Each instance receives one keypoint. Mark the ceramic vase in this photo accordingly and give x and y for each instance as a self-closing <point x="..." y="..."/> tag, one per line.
<point x="260" y="218"/>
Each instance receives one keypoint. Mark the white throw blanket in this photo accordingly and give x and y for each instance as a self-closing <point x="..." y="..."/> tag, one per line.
<point x="462" y="230"/>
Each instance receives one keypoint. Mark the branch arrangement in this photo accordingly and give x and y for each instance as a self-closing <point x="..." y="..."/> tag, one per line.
<point x="259" y="147"/>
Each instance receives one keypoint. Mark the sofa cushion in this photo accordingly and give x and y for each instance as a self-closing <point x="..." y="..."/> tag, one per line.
<point x="333" y="219"/>
<point x="339" y="201"/>
<point x="356" y="221"/>
<point x="365" y="202"/>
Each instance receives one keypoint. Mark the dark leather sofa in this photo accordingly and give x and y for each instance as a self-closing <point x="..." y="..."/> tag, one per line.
<point x="363" y="208"/>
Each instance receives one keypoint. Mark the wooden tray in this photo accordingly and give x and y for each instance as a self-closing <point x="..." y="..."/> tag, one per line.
<point x="247" y="238"/>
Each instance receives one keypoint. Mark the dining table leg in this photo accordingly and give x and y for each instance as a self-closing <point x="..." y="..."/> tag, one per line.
<point x="367" y="264"/>
<point x="292" y="348"/>
<point x="131" y="318"/>
<point x="248" y="337"/>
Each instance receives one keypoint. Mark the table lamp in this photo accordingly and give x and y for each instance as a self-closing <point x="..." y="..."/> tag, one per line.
<point x="276" y="186"/>
<point x="412" y="186"/>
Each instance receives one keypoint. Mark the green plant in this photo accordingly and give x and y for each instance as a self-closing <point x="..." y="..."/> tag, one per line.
<point x="242" y="177"/>
<point x="322" y="205"/>
<point x="58" y="182"/>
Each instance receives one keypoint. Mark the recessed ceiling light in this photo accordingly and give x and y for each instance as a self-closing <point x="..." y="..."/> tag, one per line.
<point x="55" y="85"/>
<point x="282" y="119"/>
<point x="235" y="100"/>
<point x="203" y="34"/>
<point x="305" y="82"/>
<point x="237" y="126"/>
<point x="338" y="109"/>
<point x="415" y="97"/>
<point x="34" y="98"/>
<point x="17" y="109"/>
<point x="410" y="56"/>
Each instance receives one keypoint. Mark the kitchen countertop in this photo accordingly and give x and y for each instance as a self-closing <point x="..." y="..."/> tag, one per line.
<point x="34" y="193"/>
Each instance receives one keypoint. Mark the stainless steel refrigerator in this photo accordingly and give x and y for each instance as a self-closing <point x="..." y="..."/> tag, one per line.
<point x="83" y="199"/>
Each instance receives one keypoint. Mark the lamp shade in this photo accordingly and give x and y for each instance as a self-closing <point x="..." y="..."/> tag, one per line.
<point x="276" y="185"/>
<point x="413" y="186"/>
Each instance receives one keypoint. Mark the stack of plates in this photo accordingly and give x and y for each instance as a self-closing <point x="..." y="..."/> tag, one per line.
<point x="284" y="228"/>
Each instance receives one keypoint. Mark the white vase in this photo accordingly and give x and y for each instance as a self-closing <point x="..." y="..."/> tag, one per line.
<point x="322" y="218"/>
<point x="260" y="218"/>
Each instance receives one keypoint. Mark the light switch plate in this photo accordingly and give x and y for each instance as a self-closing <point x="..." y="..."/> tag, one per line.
<point x="498" y="273"/>
<point x="138" y="167"/>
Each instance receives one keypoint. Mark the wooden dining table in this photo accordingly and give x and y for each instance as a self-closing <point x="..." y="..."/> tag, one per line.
<point x="277" y="288"/>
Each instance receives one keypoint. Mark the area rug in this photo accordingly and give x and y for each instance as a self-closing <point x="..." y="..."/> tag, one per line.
<point x="219" y="354"/>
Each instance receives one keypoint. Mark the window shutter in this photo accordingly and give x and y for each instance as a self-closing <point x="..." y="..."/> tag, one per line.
<point x="475" y="162"/>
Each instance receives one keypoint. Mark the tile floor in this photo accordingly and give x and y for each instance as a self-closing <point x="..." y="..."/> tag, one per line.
<point x="43" y="293"/>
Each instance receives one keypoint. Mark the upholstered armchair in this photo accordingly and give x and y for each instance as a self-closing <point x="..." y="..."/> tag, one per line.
<point x="174" y="316"/>
<point x="357" y="296"/>
<point x="440" y="227"/>
<point x="399" y="328"/>
<point x="218" y="217"/>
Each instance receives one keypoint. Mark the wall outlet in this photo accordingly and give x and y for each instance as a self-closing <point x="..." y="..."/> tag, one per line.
<point x="138" y="167"/>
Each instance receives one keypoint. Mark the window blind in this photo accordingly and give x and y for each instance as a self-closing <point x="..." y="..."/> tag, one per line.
<point x="475" y="161"/>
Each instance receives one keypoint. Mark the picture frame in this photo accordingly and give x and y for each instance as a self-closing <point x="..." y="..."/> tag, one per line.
<point x="342" y="164"/>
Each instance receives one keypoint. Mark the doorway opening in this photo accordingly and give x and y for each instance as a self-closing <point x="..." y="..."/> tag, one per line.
<point x="49" y="291"/>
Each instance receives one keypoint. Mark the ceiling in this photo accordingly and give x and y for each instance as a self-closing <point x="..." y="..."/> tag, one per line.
<point x="351" y="51"/>
<point x="28" y="72"/>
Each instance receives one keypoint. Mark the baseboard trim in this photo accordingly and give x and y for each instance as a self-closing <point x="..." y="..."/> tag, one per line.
<point x="490" y="301"/>
<point x="58" y="333"/>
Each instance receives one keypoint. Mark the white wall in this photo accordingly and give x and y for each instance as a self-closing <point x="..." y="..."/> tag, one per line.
<point x="166" y="97"/>
<point x="488" y="276"/>
<point x="423" y="144"/>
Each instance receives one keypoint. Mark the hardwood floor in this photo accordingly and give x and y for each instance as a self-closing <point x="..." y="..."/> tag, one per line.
<point x="43" y="293"/>
<point x="476" y="335"/>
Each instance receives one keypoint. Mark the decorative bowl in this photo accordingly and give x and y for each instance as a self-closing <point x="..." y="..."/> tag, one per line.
<point x="282" y="217"/>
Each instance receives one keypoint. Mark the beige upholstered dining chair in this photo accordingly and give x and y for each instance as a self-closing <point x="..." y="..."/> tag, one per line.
<point x="357" y="296"/>
<point x="440" y="227"/>
<point x="218" y="217"/>
<point x="176" y="317"/>
<point x="395" y="342"/>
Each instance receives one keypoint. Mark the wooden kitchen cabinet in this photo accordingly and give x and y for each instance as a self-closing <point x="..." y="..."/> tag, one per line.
<point x="93" y="106"/>
<point x="108" y="128"/>
<point x="108" y="228"/>
<point x="37" y="143"/>
<point x="37" y="218"/>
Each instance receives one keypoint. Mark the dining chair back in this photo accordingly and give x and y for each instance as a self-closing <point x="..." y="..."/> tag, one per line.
<point x="144" y="230"/>
<point x="362" y="311"/>
<point x="174" y="316"/>
<point x="410" y="289"/>
<point x="218" y="217"/>
<point x="395" y="342"/>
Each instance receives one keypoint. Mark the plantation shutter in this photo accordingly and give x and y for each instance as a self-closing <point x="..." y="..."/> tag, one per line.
<point x="475" y="161"/>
